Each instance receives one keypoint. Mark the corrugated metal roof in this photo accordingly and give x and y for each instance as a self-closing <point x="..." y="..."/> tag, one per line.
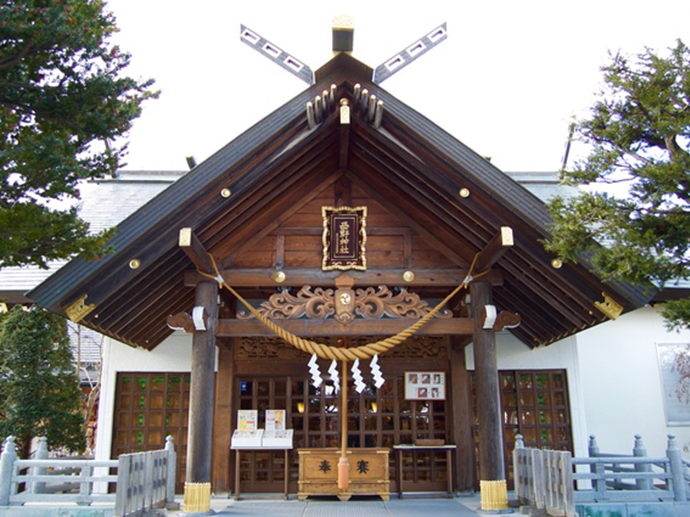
<point x="88" y="340"/>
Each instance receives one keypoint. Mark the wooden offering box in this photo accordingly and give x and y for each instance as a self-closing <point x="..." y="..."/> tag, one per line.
<point x="318" y="473"/>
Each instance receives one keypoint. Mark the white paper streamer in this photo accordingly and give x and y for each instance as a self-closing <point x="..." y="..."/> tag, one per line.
<point x="376" y="372"/>
<point x="333" y="370"/>
<point x="357" y="376"/>
<point x="316" y="379"/>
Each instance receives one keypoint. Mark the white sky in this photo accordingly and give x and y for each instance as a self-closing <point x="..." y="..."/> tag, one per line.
<point x="506" y="82"/>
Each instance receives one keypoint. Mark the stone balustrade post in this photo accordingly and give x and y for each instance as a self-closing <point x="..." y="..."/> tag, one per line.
<point x="676" y="462"/>
<point x="7" y="459"/>
<point x="640" y="451"/>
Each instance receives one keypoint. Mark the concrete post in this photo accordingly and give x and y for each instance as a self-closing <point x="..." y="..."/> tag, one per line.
<point x="593" y="447"/>
<point x="7" y="459"/>
<point x="172" y="461"/>
<point x="640" y="451"/>
<point x="38" y="487"/>
<point x="676" y="461"/>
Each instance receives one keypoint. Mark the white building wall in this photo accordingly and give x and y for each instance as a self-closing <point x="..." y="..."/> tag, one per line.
<point x="172" y="355"/>
<point x="512" y="354"/>
<point x="621" y="383"/>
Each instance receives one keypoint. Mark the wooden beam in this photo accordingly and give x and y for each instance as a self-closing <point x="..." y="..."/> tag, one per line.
<point x="495" y="249"/>
<point x="359" y="327"/>
<point x="192" y="246"/>
<point x="300" y="277"/>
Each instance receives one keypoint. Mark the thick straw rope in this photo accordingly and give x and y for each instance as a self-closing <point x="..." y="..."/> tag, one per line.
<point x="343" y="354"/>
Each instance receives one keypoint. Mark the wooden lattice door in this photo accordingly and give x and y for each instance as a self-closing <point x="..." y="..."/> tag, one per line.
<point x="376" y="418"/>
<point x="149" y="407"/>
<point x="535" y="404"/>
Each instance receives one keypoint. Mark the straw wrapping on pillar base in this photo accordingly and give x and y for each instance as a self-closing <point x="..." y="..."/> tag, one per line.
<point x="197" y="497"/>
<point x="494" y="494"/>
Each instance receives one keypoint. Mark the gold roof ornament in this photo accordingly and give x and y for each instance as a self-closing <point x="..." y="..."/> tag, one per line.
<point x="78" y="310"/>
<point x="610" y="307"/>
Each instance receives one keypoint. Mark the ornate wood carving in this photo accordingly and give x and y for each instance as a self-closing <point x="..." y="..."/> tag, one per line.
<point x="318" y="304"/>
<point x="369" y="303"/>
<point x="268" y="348"/>
<point x="420" y="347"/>
<point x="500" y="321"/>
<point x="507" y="320"/>
<point x="181" y="320"/>
<point x="262" y="348"/>
<point x="372" y="304"/>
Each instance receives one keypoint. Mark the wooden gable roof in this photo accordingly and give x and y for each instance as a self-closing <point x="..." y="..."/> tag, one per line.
<point x="408" y="167"/>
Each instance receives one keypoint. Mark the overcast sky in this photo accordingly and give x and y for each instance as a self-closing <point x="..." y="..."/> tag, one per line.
<point x="506" y="82"/>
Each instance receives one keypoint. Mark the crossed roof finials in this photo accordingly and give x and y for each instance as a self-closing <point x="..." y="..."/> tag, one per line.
<point x="343" y="42"/>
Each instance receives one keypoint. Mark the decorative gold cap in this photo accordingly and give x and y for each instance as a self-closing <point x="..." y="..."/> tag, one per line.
<point x="78" y="310"/>
<point x="610" y="307"/>
<point x="464" y="192"/>
<point x="279" y="276"/>
<point x="226" y="193"/>
<point x="408" y="276"/>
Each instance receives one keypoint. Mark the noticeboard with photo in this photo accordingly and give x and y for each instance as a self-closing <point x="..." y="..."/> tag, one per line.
<point x="425" y="385"/>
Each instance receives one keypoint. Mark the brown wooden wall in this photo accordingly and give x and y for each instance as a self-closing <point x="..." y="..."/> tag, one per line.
<point x="297" y="244"/>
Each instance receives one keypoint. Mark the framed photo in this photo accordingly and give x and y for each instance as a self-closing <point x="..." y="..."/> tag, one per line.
<point x="425" y="385"/>
<point x="674" y="370"/>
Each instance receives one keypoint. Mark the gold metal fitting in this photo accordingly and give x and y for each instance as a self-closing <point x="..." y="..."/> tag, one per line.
<point x="226" y="193"/>
<point x="464" y="192"/>
<point x="134" y="263"/>
<point x="408" y="276"/>
<point x="557" y="263"/>
<point x="279" y="276"/>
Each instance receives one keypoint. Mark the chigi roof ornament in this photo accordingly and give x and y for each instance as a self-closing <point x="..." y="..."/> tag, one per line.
<point x="343" y="41"/>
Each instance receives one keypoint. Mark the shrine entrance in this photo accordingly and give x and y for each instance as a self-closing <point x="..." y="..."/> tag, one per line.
<point x="376" y="417"/>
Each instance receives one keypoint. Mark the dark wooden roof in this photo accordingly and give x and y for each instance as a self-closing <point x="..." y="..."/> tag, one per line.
<point x="409" y="167"/>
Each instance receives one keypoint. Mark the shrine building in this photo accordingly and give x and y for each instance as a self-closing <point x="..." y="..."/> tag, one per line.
<point x="344" y="217"/>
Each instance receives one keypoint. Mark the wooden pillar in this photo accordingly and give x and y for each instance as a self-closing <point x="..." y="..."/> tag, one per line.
<point x="200" y="436"/>
<point x="491" y="467"/>
<point x="222" y="418"/>
<point x="462" y="417"/>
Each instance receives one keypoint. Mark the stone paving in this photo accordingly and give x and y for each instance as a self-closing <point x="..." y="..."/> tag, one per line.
<point x="461" y="506"/>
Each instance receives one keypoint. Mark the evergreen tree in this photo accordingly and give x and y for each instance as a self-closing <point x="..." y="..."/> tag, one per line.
<point x="64" y="102"/>
<point x="639" y="133"/>
<point x="39" y="390"/>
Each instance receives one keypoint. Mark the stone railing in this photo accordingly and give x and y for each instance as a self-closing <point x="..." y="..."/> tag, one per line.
<point x="551" y="482"/>
<point x="144" y="480"/>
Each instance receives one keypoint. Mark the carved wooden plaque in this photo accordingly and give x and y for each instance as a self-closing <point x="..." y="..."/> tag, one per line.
<point x="344" y="238"/>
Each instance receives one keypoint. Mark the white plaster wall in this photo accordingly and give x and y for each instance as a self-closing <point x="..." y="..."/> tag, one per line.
<point x="172" y="355"/>
<point x="622" y="384"/>
<point x="512" y="354"/>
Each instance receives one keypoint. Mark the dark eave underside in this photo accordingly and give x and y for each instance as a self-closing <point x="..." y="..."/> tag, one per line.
<point x="411" y="167"/>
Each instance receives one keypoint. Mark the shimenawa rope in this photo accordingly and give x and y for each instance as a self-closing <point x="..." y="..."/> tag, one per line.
<point x="343" y="354"/>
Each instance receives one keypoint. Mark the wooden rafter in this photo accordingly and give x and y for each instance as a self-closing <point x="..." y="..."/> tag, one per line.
<point x="192" y="246"/>
<point x="495" y="249"/>
<point x="372" y="277"/>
